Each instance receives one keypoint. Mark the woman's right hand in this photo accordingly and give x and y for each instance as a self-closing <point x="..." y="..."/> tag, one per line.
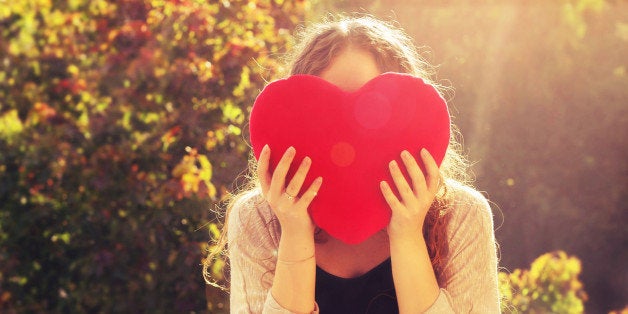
<point x="295" y="271"/>
<point x="284" y="200"/>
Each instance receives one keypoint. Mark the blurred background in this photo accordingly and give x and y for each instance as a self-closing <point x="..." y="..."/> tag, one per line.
<point x="122" y="127"/>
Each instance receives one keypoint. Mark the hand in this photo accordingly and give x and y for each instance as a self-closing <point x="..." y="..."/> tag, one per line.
<point x="408" y="214"/>
<point x="290" y="209"/>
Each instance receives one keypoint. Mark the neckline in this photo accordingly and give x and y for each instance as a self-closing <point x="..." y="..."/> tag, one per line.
<point x="377" y="268"/>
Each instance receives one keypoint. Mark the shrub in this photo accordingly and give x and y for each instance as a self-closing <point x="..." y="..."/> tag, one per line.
<point x="120" y="125"/>
<point x="551" y="285"/>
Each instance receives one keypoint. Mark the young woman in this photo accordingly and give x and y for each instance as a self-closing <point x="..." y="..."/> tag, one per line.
<point x="438" y="253"/>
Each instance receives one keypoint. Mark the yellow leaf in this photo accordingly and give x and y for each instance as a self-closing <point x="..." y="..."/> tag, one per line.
<point x="217" y="268"/>
<point x="232" y="113"/>
<point x="181" y="169"/>
<point x="206" y="168"/>
<point x="211" y="190"/>
<point x="245" y="82"/>
<point x="214" y="230"/>
<point x="10" y="125"/>
<point x="73" y="69"/>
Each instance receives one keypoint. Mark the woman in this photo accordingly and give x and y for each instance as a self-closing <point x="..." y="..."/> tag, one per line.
<point x="438" y="253"/>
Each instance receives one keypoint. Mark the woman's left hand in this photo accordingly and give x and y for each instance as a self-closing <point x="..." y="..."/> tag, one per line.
<point x="408" y="213"/>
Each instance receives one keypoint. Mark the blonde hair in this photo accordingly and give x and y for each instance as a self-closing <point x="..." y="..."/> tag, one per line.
<point x="394" y="51"/>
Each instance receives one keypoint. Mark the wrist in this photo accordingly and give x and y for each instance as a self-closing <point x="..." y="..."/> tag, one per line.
<point x="295" y="246"/>
<point x="295" y="273"/>
<point x="297" y="233"/>
<point x="405" y="234"/>
<point x="295" y="262"/>
<point x="402" y="242"/>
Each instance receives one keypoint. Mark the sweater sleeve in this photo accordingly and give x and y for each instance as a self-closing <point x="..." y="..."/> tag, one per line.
<point x="251" y="255"/>
<point x="253" y="238"/>
<point x="468" y="280"/>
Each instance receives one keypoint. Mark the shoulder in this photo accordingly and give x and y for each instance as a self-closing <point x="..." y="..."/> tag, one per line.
<point x="464" y="195"/>
<point x="249" y="205"/>
<point x="468" y="211"/>
<point x="469" y="271"/>
<point x="250" y="218"/>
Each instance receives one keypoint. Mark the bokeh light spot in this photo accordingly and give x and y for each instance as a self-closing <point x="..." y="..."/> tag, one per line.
<point x="342" y="154"/>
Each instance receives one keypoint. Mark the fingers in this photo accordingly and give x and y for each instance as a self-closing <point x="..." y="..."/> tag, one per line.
<point x="433" y="173"/>
<point x="420" y="182"/>
<point x="278" y="180"/>
<point x="416" y="175"/>
<point x="311" y="192"/>
<point x="262" y="169"/>
<point x="409" y="210"/>
<point x="291" y="211"/>
<point x="390" y="197"/>
<point x="273" y="184"/>
<point x="404" y="189"/>
<point x="297" y="180"/>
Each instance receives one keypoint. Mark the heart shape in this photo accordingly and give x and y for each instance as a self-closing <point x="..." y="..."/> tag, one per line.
<point x="350" y="137"/>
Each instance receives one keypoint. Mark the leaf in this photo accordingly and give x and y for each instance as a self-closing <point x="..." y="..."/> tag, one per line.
<point x="10" y="125"/>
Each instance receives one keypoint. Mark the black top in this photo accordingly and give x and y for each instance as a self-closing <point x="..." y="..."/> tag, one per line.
<point x="371" y="293"/>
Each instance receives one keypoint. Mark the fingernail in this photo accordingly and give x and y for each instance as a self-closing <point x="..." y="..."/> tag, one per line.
<point x="405" y="154"/>
<point x="424" y="152"/>
<point x="383" y="185"/>
<point x="265" y="149"/>
<point x="393" y="164"/>
<point x="318" y="180"/>
<point x="290" y="151"/>
<point x="307" y="160"/>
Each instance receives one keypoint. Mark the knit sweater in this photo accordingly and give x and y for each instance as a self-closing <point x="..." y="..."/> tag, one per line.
<point x="468" y="281"/>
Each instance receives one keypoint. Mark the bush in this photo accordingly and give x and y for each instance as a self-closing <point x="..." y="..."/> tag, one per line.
<point x="551" y="285"/>
<point x="120" y="125"/>
<point x="622" y="311"/>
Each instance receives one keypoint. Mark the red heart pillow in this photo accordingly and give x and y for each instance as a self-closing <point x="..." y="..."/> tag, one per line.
<point x="351" y="137"/>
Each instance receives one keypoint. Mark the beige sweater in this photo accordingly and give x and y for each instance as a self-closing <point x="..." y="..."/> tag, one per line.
<point x="468" y="281"/>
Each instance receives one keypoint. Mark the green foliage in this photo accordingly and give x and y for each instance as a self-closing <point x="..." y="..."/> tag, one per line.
<point x="120" y="125"/>
<point x="551" y="285"/>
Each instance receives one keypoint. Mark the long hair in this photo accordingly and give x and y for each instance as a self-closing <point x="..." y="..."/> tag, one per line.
<point x="394" y="51"/>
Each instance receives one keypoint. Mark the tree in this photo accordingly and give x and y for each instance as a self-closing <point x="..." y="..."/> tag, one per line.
<point x="120" y="126"/>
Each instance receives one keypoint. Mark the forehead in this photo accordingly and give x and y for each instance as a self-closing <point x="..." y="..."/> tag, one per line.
<point x="351" y="68"/>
